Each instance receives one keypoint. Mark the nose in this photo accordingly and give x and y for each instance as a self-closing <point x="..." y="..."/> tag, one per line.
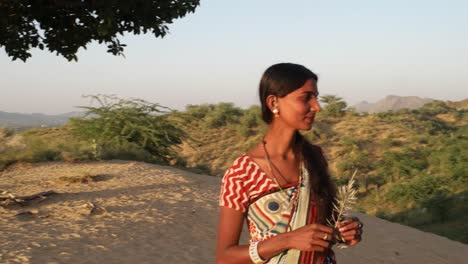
<point x="314" y="105"/>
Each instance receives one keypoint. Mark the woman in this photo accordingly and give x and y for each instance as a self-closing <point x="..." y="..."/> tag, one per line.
<point x="282" y="186"/>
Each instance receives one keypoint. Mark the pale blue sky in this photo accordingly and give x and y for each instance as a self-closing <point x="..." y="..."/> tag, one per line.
<point x="361" y="50"/>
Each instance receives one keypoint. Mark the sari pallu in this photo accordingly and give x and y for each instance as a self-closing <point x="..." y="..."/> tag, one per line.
<point x="282" y="210"/>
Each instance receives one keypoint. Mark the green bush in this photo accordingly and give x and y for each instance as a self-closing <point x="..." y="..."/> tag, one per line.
<point x="419" y="189"/>
<point x="408" y="162"/>
<point x="434" y="108"/>
<point x="434" y="127"/>
<point x="127" y="151"/>
<point x="438" y="204"/>
<point x="199" y="111"/>
<point x="42" y="155"/>
<point x="335" y="106"/>
<point x="222" y="115"/>
<point x="449" y="158"/>
<point x="118" y="126"/>
<point x="249" y="122"/>
<point x="386" y="115"/>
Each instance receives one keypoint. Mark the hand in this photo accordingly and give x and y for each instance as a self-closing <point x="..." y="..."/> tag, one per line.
<point x="351" y="230"/>
<point x="313" y="237"/>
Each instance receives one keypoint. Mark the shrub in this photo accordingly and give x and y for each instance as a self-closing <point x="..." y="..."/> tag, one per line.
<point x="335" y="106"/>
<point x="438" y="205"/>
<point x="249" y="121"/>
<point x="409" y="162"/>
<point x="420" y="189"/>
<point x="133" y="128"/>
<point x="127" y="151"/>
<point x="434" y="108"/>
<point x="222" y="115"/>
<point x="199" y="111"/>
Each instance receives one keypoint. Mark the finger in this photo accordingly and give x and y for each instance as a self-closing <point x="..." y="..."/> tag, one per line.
<point x="321" y="228"/>
<point x="319" y="242"/>
<point x="354" y="241"/>
<point x="352" y="225"/>
<point x="322" y="235"/>
<point x="351" y="233"/>
<point x="344" y="223"/>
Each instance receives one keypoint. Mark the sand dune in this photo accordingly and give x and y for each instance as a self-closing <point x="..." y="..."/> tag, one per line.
<point x="156" y="214"/>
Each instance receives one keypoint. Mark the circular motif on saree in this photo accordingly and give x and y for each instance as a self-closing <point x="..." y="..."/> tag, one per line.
<point x="273" y="206"/>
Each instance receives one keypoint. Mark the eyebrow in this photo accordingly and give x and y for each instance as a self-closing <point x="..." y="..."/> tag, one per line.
<point x="316" y="93"/>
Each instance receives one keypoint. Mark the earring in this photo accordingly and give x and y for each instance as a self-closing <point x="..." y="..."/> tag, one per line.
<point x="276" y="112"/>
<point x="275" y="109"/>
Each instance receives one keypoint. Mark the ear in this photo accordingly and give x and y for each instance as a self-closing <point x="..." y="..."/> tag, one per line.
<point x="272" y="102"/>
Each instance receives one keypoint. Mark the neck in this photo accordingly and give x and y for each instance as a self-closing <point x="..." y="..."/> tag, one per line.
<point x="280" y="142"/>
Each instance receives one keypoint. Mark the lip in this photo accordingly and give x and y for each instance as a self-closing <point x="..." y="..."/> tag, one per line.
<point x="309" y="118"/>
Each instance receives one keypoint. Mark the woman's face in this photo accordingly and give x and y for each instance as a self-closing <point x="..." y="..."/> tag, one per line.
<point x="298" y="108"/>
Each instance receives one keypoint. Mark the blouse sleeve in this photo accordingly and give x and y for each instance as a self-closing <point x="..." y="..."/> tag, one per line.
<point x="233" y="194"/>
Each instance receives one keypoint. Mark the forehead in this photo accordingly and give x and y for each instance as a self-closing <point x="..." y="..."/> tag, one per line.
<point x="310" y="86"/>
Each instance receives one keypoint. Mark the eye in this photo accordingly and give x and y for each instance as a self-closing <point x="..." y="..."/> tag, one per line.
<point x="308" y="96"/>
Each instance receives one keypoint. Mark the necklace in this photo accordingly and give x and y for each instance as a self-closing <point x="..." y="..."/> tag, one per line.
<point x="295" y="194"/>
<point x="271" y="165"/>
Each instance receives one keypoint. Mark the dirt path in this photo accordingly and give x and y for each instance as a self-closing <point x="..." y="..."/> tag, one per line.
<point x="156" y="214"/>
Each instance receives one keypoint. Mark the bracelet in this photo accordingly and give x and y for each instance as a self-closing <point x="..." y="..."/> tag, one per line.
<point x="253" y="253"/>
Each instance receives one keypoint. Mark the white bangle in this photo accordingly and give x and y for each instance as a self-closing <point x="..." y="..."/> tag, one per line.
<point x="253" y="253"/>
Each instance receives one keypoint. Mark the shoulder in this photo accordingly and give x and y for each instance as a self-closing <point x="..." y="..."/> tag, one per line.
<point x="239" y="167"/>
<point x="235" y="184"/>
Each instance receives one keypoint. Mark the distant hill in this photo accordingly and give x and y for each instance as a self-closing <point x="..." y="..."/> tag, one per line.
<point x="392" y="102"/>
<point x="19" y="120"/>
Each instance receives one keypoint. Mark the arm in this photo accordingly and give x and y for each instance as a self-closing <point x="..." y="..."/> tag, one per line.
<point x="228" y="250"/>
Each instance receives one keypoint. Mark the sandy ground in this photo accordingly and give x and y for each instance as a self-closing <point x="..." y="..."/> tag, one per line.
<point x="156" y="214"/>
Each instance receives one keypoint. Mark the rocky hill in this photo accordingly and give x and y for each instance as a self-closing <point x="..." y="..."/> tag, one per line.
<point x="392" y="102"/>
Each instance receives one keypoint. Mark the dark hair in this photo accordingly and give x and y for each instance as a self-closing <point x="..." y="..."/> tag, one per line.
<point x="322" y="187"/>
<point x="279" y="80"/>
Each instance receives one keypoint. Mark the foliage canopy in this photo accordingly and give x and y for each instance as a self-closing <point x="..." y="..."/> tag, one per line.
<point x="65" y="26"/>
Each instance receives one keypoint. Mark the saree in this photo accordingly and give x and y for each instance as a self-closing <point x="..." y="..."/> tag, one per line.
<point x="271" y="209"/>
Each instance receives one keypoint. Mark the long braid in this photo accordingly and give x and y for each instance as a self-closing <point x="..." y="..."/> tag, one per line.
<point x="322" y="188"/>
